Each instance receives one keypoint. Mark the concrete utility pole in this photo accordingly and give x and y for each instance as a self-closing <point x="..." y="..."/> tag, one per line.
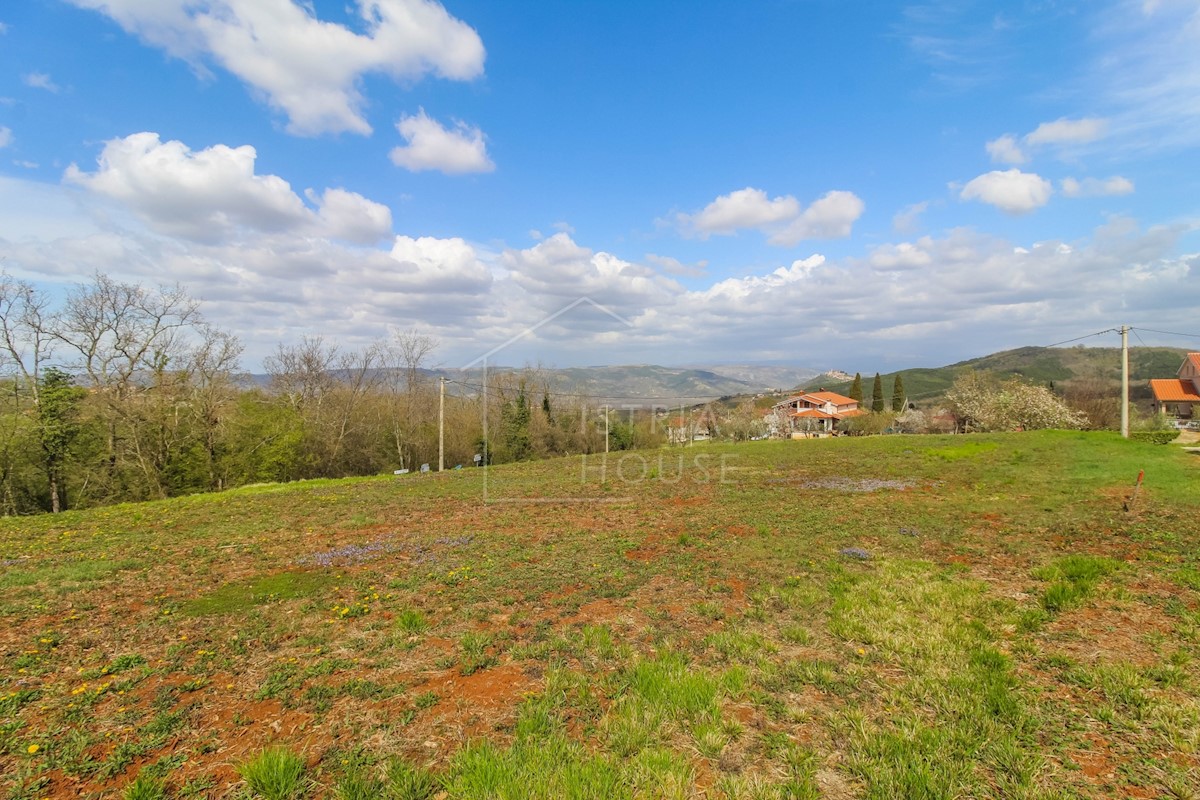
<point x="442" y="426"/>
<point x="1125" y="381"/>
<point x="606" y="429"/>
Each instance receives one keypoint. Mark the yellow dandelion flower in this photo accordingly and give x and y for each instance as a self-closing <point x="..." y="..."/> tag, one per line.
<point x="33" y="748"/>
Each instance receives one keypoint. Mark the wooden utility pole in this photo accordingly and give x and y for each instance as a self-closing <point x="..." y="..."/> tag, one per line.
<point x="1125" y="381"/>
<point x="442" y="426"/>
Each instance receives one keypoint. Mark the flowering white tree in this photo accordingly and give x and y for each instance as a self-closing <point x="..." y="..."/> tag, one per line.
<point x="985" y="404"/>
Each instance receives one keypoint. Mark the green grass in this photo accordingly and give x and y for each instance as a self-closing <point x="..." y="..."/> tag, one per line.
<point x="145" y="788"/>
<point x="275" y="774"/>
<point x="677" y="640"/>
<point x="408" y="782"/>
<point x="1072" y="579"/>
<point x="240" y="597"/>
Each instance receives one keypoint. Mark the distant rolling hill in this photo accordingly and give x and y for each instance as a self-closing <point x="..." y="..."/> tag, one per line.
<point x="637" y="384"/>
<point x="1042" y="365"/>
<point x="646" y="384"/>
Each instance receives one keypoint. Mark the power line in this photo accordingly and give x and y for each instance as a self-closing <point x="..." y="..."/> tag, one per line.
<point x="577" y="395"/>
<point x="1168" y="333"/>
<point x="1085" y="336"/>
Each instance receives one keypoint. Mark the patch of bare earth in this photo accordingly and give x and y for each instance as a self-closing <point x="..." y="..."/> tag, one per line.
<point x="1109" y="631"/>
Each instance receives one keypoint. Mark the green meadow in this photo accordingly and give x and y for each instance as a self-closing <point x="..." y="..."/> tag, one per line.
<point x="990" y="616"/>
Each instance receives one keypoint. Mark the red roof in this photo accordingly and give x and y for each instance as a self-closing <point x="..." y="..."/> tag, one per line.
<point x="812" y="413"/>
<point x="1173" y="390"/>
<point x="1195" y="359"/>
<point x="832" y="397"/>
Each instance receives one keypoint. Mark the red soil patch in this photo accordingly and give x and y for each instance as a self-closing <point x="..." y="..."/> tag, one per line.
<point x="490" y="688"/>
<point x="737" y="588"/>
<point x="597" y="612"/>
<point x="1099" y="769"/>
<point x="650" y="549"/>
<point x="1110" y="632"/>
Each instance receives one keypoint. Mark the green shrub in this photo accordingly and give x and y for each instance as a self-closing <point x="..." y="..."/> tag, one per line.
<point x="1154" y="437"/>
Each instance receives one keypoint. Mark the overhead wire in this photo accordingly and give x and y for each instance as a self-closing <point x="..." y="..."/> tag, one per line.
<point x="1168" y="333"/>
<point x="579" y="395"/>
<point x="1081" y="338"/>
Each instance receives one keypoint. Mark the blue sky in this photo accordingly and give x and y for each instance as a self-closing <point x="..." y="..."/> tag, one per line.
<point x="838" y="185"/>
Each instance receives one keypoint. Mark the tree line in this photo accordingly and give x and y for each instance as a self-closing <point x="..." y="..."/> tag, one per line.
<point x="121" y="392"/>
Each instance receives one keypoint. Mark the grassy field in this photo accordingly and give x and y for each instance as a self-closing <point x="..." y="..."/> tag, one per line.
<point x="901" y="617"/>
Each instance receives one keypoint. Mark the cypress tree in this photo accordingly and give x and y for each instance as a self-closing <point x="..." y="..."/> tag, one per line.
<point x="856" y="388"/>
<point x="877" y="394"/>
<point x="514" y="420"/>
<point x="898" y="396"/>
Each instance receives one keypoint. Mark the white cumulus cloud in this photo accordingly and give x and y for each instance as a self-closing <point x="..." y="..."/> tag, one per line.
<point x="1067" y="131"/>
<point x="902" y="256"/>
<point x="40" y="80"/>
<point x="784" y="218"/>
<point x="1006" y="150"/>
<point x="830" y="217"/>
<point x="557" y="269"/>
<point x="432" y="147"/>
<point x="307" y="68"/>
<point x="214" y="194"/>
<point x="1062" y="133"/>
<point x="1096" y="187"/>
<point x="448" y="266"/>
<point x="1012" y="191"/>
<point x="350" y="216"/>
<point x="745" y="208"/>
<point x="934" y="299"/>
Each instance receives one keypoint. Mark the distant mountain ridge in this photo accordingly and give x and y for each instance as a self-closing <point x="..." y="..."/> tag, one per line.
<point x="635" y="384"/>
<point x="650" y="384"/>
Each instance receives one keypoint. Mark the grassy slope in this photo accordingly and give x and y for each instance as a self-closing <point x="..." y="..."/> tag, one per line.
<point x="1037" y="364"/>
<point x="1014" y="632"/>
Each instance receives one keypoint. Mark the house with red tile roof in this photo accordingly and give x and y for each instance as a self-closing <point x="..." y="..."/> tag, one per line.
<point x="1179" y="396"/>
<point x="811" y="411"/>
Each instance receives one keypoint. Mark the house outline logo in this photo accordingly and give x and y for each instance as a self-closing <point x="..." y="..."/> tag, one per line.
<point x="483" y="358"/>
<point x="545" y="321"/>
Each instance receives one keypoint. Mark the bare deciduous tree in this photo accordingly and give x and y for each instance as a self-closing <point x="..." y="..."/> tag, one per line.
<point x="129" y="343"/>
<point x="302" y="373"/>
<point x="212" y="364"/>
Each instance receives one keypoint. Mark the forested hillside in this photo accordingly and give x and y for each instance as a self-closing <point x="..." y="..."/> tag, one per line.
<point x="124" y="393"/>
<point x="1043" y="365"/>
